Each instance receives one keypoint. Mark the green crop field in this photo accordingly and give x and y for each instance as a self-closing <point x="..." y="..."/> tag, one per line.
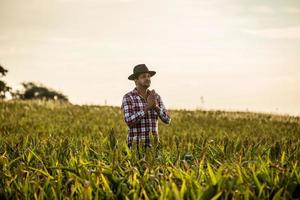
<point x="51" y="150"/>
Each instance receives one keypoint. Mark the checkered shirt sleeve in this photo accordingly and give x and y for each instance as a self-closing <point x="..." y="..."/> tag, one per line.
<point x="130" y="116"/>
<point x="164" y="115"/>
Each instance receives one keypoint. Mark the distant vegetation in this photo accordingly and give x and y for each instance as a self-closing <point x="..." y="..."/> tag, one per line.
<point x="4" y="89"/>
<point x="34" y="91"/>
<point x="30" y="91"/>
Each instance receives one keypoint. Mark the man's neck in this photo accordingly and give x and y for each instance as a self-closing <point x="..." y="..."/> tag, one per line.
<point x="142" y="91"/>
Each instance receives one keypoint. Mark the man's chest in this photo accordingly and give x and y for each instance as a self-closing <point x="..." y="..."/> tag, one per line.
<point x="139" y="103"/>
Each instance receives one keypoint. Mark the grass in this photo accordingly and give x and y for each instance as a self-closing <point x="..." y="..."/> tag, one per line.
<point x="54" y="150"/>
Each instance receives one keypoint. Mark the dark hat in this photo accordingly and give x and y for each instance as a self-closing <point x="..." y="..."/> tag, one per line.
<point x="139" y="69"/>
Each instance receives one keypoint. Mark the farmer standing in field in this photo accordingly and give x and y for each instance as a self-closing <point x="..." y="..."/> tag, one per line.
<point x="142" y="107"/>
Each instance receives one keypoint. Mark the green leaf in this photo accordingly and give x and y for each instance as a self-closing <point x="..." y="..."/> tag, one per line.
<point x="211" y="174"/>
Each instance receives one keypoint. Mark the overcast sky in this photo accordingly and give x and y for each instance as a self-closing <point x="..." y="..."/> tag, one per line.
<point x="236" y="54"/>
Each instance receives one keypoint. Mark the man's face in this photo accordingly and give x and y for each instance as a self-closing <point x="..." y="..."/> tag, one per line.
<point x="143" y="80"/>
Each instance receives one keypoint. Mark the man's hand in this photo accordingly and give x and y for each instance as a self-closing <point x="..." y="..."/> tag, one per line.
<point x="156" y="106"/>
<point x="151" y="101"/>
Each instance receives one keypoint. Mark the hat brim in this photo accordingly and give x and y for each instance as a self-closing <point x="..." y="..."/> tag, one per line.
<point x="133" y="76"/>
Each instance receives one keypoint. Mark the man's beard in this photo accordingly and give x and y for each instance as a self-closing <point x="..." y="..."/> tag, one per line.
<point x="146" y="85"/>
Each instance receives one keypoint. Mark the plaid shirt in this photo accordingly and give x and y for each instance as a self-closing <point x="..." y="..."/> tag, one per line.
<point x="140" y="124"/>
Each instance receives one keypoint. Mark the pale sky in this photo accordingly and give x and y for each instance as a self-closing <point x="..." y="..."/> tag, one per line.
<point x="236" y="54"/>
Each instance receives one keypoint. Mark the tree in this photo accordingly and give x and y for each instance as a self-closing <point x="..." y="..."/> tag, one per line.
<point x="38" y="91"/>
<point x="3" y="86"/>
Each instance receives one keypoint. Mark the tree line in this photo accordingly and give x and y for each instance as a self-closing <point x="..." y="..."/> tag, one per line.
<point x="30" y="90"/>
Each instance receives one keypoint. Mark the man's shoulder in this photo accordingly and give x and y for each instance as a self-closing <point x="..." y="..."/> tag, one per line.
<point x="128" y="94"/>
<point x="126" y="97"/>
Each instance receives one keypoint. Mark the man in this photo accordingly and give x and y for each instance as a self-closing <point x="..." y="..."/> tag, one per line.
<point x="142" y="107"/>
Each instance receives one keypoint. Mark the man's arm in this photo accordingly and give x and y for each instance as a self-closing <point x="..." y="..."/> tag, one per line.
<point x="162" y="111"/>
<point x="131" y="117"/>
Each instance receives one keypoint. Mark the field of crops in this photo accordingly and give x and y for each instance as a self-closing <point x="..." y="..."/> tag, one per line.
<point x="61" y="151"/>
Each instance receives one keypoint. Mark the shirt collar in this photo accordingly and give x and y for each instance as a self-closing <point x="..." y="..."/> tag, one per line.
<point x="135" y="91"/>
